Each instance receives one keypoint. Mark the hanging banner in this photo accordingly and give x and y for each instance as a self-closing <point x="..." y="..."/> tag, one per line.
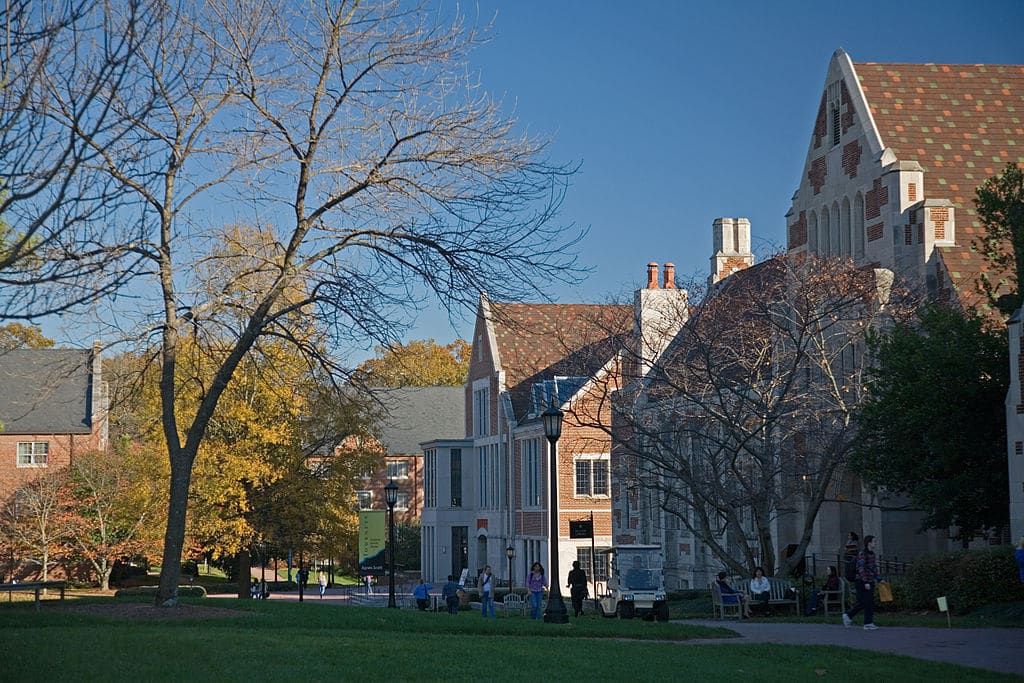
<point x="372" y="541"/>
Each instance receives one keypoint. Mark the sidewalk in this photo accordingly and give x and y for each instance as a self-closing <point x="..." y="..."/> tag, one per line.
<point x="995" y="649"/>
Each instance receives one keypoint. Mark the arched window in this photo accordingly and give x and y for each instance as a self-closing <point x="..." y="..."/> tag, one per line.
<point x="824" y="236"/>
<point x="812" y="232"/>
<point x="845" y="248"/>
<point x="834" y="241"/>
<point x="858" y="226"/>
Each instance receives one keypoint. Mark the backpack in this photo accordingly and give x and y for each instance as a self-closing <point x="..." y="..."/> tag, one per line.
<point x="850" y="567"/>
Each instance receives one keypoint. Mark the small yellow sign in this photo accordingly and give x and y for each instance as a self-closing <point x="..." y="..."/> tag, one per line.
<point x="943" y="607"/>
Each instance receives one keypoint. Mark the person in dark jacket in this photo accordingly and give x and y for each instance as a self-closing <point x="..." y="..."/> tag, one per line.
<point x="577" y="587"/>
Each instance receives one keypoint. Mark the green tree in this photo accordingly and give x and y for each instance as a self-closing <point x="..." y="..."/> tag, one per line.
<point x="933" y="425"/>
<point x="417" y="364"/>
<point x="1000" y="205"/>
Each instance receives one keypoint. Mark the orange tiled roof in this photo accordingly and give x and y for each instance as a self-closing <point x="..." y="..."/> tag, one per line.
<point x="963" y="123"/>
<point x="537" y="341"/>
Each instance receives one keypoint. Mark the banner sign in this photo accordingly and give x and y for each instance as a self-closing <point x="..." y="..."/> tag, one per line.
<point x="372" y="542"/>
<point x="581" y="529"/>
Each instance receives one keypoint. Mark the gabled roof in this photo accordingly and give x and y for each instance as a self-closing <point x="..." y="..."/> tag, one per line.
<point x="46" y="391"/>
<point x="963" y="123"/>
<point x="539" y="341"/>
<point x="415" y="414"/>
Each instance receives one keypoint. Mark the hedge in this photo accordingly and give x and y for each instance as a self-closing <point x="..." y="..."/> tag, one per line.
<point x="968" y="578"/>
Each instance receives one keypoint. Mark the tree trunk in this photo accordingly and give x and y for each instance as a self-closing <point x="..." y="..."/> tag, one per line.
<point x="174" y="537"/>
<point x="244" y="573"/>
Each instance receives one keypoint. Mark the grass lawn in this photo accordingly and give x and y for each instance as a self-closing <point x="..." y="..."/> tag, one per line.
<point x="292" y="641"/>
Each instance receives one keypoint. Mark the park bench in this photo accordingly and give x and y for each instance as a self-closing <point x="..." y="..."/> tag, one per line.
<point x="835" y="599"/>
<point x="36" y="587"/>
<point x="513" y="602"/>
<point x="721" y="609"/>
<point x="783" y="594"/>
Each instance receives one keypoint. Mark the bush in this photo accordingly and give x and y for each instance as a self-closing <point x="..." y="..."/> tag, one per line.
<point x="968" y="579"/>
<point x="183" y="591"/>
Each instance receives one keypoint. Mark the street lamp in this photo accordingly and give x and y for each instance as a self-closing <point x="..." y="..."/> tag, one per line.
<point x="391" y="497"/>
<point x="555" y="612"/>
<point x="510" y="553"/>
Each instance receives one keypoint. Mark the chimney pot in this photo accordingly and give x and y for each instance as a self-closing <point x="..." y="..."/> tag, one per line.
<point x="670" y="276"/>
<point x="652" y="275"/>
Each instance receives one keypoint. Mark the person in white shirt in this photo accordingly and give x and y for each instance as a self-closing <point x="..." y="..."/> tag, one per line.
<point x="760" y="588"/>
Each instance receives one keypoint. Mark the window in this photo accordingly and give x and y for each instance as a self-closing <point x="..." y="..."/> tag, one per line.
<point x="365" y="499"/>
<point x="592" y="476"/>
<point x="601" y="572"/>
<point x="481" y="412"/>
<point x="531" y="473"/>
<point x="456" y="477"/>
<point x="33" y="453"/>
<point x="398" y="469"/>
<point x="835" y="126"/>
<point x="402" y="501"/>
<point x="430" y="478"/>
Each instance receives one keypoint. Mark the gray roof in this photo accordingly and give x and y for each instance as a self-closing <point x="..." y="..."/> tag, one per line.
<point x="417" y="414"/>
<point x="46" y="391"/>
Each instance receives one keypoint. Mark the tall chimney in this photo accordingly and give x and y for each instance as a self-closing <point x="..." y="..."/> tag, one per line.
<point x="652" y="275"/>
<point x="670" y="276"/>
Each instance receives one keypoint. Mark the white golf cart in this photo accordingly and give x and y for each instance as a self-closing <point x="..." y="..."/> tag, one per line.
<point x="636" y="586"/>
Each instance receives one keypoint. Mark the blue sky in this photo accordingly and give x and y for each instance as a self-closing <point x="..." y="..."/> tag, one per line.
<point x="681" y="112"/>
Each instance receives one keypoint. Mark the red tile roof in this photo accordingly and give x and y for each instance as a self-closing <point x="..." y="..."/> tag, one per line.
<point x="963" y="123"/>
<point x="538" y="341"/>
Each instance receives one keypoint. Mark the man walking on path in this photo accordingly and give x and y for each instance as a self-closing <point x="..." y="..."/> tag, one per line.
<point x="867" y="577"/>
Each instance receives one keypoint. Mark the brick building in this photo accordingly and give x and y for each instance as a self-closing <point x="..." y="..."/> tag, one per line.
<point x="409" y="413"/>
<point x="53" y="406"/>
<point x="489" y="491"/>
<point x="891" y="168"/>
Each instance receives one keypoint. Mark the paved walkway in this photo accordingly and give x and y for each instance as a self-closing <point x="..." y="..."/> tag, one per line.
<point x="995" y="649"/>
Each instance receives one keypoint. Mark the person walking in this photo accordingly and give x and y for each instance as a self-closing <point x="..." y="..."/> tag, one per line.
<point x="577" y="587"/>
<point x="486" y="584"/>
<point x="321" y="579"/>
<point x="450" y="593"/>
<point x="422" y="594"/>
<point x="536" y="582"/>
<point x="867" y="577"/>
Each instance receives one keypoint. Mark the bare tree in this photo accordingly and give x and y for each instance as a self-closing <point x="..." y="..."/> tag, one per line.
<point x="56" y="213"/>
<point x="355" y="143"/>
<point x="746" y="422"/>
<point x="33" y="522"/>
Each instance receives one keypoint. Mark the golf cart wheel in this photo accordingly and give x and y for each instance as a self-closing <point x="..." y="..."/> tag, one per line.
<point x="625" y="610"/>
<point x="663" y="612"/>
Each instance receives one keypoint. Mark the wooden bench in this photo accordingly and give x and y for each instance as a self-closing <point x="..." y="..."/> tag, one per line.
<point x="777" y="596"/>
<point x="835" y="599"/>
<point x="35" y="586"/>
<point x="721" y="609"/>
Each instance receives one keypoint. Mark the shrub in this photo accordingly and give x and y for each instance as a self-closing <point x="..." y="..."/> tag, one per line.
<point x="968" y="579"/>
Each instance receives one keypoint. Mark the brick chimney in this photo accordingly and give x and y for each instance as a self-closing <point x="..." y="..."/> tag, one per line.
<point x="670" y="276"/>
<point x="658" y="315"/>
<point x="652" y="275"/>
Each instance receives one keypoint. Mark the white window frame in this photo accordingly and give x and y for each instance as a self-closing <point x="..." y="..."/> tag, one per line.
<point x="360" y="495"/>
<point x="602" y="459"/>
<point x="532" y="473"/>
<point x="401" y="500"/>
<point x="481" y="408"/>
<point x="398" y="465"/>
<point x="33" y="454"/>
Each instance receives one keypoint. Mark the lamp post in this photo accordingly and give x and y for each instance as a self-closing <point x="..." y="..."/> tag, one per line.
<point x="510" y="553"/>
<point x="555" y="612"/>
<point x="391" y="497"/>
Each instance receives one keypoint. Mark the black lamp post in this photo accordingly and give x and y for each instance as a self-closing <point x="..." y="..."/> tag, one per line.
<point x="555" y="612"/>
<point x="510" y="553"/>
<point x="391" y="497"/>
